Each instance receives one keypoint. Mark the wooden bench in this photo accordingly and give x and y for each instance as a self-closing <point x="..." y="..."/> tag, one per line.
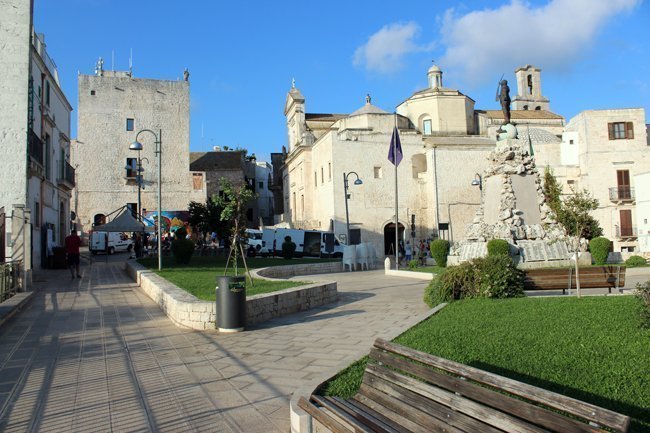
<point x="593" y="277"/>
<point x="404" y="390"/>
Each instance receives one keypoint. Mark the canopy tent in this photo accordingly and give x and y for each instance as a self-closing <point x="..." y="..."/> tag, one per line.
<point x="124" y="222"/>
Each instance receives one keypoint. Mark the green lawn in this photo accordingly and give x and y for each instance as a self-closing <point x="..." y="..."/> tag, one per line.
<point x="199" y="277"/>
<point x="592" y="349"/>
<point x="428" y="269"/>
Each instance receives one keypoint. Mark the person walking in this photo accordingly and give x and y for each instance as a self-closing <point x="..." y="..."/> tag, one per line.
<point x="72" y="244"/>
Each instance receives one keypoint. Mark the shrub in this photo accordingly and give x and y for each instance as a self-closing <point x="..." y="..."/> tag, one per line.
<point x="288" y="248"/>
<point x="487" y="277"/>
<point x="497" y="247"/>
<point x="643" y="292"/>
<point x="634" y="261"/>
<point x="182" y="249"/>
<point x="439" y="251"/>
<point x="599" y="248"/>
<point x="413" y="264"/>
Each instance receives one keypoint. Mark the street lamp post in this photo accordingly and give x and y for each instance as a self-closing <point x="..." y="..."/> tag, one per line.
<point x="478" y="181"/>
<point x="136" y="145"/>
<point x="347" y="196"/>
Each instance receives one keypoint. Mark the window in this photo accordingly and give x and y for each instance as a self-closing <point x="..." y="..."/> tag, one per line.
<point x="48" y="157"/>
<point x="570" y="141"/>
<point x="426" y="127"/>
<point x="131" y="167"/>
<point x="260" y="185"/>
<point x="197" y="181"/>
<point x="133" y="207"/>
<point x="623" y="183"/>
<point x="322" y="175"/>
<point x="378" y="172"/>
<point x="92" y="93"/>
<point x="620" y="130"/>
<point x="37" y="214"/>
<point x="315" y="178"/>
<point x="47" y="93"/>
<point x="329" y="171"/>
<point x="129" y="124"/>
<point x="570" y="182"/>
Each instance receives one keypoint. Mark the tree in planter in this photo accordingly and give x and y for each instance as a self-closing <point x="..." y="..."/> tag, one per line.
<point x="573" y="215"/>
<point x="233" y="201"/>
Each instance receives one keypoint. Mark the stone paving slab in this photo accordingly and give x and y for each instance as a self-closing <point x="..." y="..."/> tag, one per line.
<point x="96" y="354"/>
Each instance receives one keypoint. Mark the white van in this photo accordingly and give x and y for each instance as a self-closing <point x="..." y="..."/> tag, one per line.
<point x="116" y="242"/>
<point x="255" y="244"/>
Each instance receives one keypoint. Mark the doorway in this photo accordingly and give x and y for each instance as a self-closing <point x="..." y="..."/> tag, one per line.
<point x="389" y="237"/>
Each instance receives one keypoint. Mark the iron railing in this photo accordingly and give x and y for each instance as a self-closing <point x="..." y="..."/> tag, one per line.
<point x="67" y="173"/>
<point x="9" y="282"/>
<point x="621" y="193"/>
<point x="35" y="147"/>
<point x="626" y="232"/>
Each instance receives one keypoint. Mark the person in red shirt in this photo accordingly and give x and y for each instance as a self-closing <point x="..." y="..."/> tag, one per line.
<point x="72" y="244"/>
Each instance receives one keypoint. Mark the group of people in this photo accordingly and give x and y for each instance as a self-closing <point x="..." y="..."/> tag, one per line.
<point x="418" y="251"/>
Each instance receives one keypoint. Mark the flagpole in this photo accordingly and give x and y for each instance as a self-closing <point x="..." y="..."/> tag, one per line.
<point x="396" y="208"/>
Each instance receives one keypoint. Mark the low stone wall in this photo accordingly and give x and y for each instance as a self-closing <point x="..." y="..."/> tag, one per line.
<point x="187" y="311"/>
<point x="288" y="271"/>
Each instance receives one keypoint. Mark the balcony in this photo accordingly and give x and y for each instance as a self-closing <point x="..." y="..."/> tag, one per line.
<point x="35" y="148"/>
<point x="66" y="176"/>
<point x="621" y="194"/>
<point x="626" y="232"/>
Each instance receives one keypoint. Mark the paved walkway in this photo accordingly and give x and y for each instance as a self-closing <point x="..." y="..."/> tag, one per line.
<point x="95" y="354"/>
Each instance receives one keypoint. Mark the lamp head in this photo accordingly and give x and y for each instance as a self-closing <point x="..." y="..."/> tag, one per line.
<point x="476" y="182"/>
<point x="136" y="145"/>
<point x="358" y="182"/>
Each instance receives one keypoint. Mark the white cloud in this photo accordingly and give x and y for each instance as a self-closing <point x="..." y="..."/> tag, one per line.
<point x="385" y="50"/>
<point x="483" y="44"/>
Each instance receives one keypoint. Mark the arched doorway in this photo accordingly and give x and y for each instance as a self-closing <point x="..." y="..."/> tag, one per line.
<point x="389" y="237"/>
<point x="99" y="219"/>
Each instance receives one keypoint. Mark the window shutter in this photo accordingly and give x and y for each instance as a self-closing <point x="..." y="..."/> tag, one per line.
<point x="610" y="126"/>
<point x="629" y="130"/>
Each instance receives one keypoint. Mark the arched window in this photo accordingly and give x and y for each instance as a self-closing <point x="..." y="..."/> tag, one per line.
<point x="525" y="107"/>
<point x="99" y="219"/>
<point x="538" y="108"/>
<point x="530" y="84"/>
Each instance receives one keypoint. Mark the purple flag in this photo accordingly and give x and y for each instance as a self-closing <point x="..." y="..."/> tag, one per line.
<point x="395" y="154"/>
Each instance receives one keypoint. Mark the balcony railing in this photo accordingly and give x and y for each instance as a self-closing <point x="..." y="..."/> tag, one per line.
<point x="9" y="281"/>
<point x="621" y="193"/>
<point x="66" y="175"/>
<point x="626" y="232"/>
<point x="35" y="147"/>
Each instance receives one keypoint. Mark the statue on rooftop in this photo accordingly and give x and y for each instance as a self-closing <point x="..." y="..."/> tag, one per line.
<point x="503" y="96"/>
<point x="186" y="75"/>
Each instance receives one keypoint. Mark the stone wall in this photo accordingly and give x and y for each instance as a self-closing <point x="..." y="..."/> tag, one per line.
<point x="288" y="271"/>
<point x="187" y="311"/>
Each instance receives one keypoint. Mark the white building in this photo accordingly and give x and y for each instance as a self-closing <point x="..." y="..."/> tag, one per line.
<point x="35" y="119"/>
<point x="445" y="143"/>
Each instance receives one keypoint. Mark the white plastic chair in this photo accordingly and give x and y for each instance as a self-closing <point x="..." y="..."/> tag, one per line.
<point x="362" y="255"/>
<point x="350" y="257"/>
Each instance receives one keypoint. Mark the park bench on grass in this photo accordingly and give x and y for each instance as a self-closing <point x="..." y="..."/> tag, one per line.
<point x="405" y="390"/>
<point x="592" y="277"/>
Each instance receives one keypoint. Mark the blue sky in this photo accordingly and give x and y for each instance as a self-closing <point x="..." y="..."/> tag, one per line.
<point x="242" y="56"/>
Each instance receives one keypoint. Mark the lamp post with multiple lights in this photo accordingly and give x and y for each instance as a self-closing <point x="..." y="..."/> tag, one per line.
<point x="136" y="145"/>
<point x="347" y="196"/>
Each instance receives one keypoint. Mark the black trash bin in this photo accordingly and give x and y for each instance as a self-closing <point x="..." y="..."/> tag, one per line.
<point x="231" y="303"/>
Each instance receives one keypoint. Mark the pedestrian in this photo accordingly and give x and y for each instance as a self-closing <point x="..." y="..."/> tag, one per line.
<point x="72" y="244"/>
<point x="138" y="246"/>
<point x="409" y="251"/>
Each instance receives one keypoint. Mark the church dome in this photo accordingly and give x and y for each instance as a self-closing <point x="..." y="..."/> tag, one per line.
<point x="434" y="68"/>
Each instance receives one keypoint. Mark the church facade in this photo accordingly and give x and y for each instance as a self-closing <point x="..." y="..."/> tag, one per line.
<point x="445" y="143"/>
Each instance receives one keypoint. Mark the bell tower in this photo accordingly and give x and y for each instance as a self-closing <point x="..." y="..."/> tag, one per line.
<point x="529" y="90"/>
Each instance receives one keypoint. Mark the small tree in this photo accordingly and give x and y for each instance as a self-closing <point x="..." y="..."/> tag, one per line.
<point x="233" y="202"/>
<point x="573" y="215"/>
<point x="206" y="217"/>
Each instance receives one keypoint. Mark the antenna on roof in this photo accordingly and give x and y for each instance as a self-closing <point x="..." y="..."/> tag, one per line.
<point x="131" y="63"/>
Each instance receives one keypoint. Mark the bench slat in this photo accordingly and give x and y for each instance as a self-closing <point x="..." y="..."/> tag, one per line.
<point x="566" y="404"/>
<point x="486" y="414"/>
<point x="444" y="413"/>
<point x="520" y="408"/>
<point x="322" y="417"/>
<point x="366" y="409"/>
<point x="414" y="420"/>
<point x="330" y="405"/>
<point x="363" y="416"/>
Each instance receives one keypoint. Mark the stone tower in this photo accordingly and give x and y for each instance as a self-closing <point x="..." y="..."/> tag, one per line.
<point x="529" y="90"/>
<point x="435" y="77"/>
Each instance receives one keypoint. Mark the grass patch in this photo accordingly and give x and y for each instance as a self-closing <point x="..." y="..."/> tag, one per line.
<point x="593" y="349"/>
<point x="199" y="277"/>
<point x="427" y="269"/>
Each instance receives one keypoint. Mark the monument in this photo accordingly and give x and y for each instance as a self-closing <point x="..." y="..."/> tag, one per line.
<point x="513" y="205"/>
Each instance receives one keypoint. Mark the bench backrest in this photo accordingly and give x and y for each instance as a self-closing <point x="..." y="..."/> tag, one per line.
<point x="415" y="389"/>
<point x="592" y="276"/>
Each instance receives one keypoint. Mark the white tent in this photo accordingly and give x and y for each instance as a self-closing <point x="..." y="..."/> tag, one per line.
<point x="124" y="222"/>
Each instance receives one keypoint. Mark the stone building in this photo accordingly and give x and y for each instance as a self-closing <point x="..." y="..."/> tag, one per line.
<point x="445" y="143"/>
<point x="606" y="151"/>
<point x="35" y="123"/>
<point x="113" y="108"/>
